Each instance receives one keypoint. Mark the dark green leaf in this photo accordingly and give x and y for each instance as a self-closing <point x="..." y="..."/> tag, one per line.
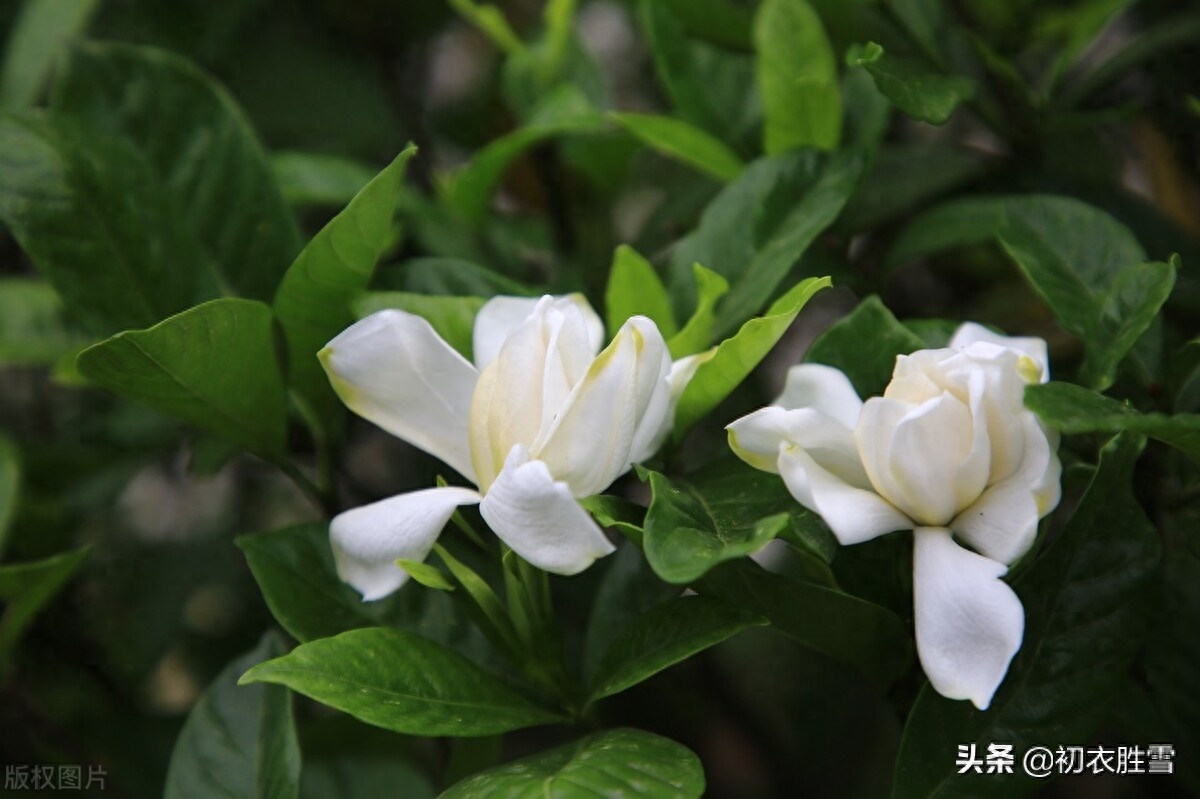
<point x="623" y="762"/>
<point x="757" y="228"/>
<point x="666" y="635"/>
<point x="908" y="176"/>
<point x="921" y="93"/>
<point x="1087" y="605"/>
<point x="201" y="147"/>
<point x="10" y="485"/>
<point x="99" y="225"/>
<point x="364" y="777"/>
<point x="680" y="140"/>
<point x="239" y="742"/>
<point x="40" y="31"/>
<point x="316" y="179"/>
<point x="864" y="345"/>
<point x="452" y="317"/>
<point x="26" y="588"/>
<point x="1073" y="409"/>
<point x="32" y="328"/>
<point x="456" y="277"/>
<point x="797" y="75"/>
<point x="402" y="682"/>
<point x="635" y="288"/>
<point x="719" y="21"/>
<point x="214" y="366"/>
<point x="313" y="301"/>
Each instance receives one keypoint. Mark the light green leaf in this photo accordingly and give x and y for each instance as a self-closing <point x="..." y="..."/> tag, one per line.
<point x="680" y="140"/>
<point x="697" y="333"/>
<point x="313" y="301"/>
<point x="757" y="228"/>
<point x="201" y="147"/>
<point x="239" y="742"/>
<point x="627" y="763"/>
<point x="37" y="36"/>
<point x="722" y="372"/>
<point x="402" y="682"/>
<point x="32" y="328"/>
<point x="452" y="317"/>
<point x="319" y="180"/>
<point x="665" y="635"/>
<point x="635" y="288"/>
<point x="1073" y="409"/>
<point x="864" y="345"/>
<point x="10" y="486"/>
<point x="98" y="224"/>
<point x="1087" y="605"/>
<point x="797" y="75"/>
<point x="921" y="93"/>
<point x="426" y="574"/>
<point x="489" y="20"/>
<point x="26" y="588"/>
<point x="214" y="366"/>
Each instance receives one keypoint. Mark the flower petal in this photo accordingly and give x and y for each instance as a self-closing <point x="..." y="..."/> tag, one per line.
<point x="500" y="316"/>
<point x="539" y="519"/>
<point x="659" y="418"/>
<point x="969" y="622"/>
<point x="367" y="541"/>
<point x="756" y="438"/>
<point x="1035" y="348"/>
<point x="392" y="369"/>
<point x="853" y="514"/>
<point x="591" y="440"/>
<point x="812" y="385"/>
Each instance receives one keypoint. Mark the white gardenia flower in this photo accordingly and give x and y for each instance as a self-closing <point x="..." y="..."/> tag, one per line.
<point x="950" y="452"/>
<point x="542" y="418"/>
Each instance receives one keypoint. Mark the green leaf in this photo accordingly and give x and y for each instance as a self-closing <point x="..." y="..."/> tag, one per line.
<point x="452" y="317"/>
<point x="622" y="762"/>
<point x="697" y="333"/>
<point x="319" y="180"/>
<point x="456" y="277"/>
<point x="10" y="486"/>
<point x="201" y="147"/>
<point x="907" y="176"/>
<point x="734" y="358"/>
<point x="719" y="21"/>
<point x="868" y="637"/>
<point x="37" y="36"/>
<point x="635" y="288"/>
<point x="757" y="228"/>
<point x="676" y="67"/>
<point x="864" y="345"/>
<point x="239" y="742"/>
<point x="1073" y="409"/>
<point x="682" y="141"/>
<point x="921" y="93"/>
<point x="797" y="75"/>
<point x="100" y="227"/>
<point x="214" y="366"/>
<point x="364" y="776"/>
<point x="490" y="21"/>
<point x="26" y="588"/>
<point x="402" y="682"/>
<point x="32" y="329"/>
<point x="426" y="574"/>
<point x="665" y="635"/>
<point x="313" y="301"/>
<point x="1087" y="605"/>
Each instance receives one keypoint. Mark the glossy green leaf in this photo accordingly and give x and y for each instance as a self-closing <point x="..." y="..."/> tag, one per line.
<point x="99" y="225"/>
<point x="239" y="742"/>
<point x="1072" y="409"/>
<point x="665" y="635"/>
<point x="734" y="359"/>
<point x="214" y="366"/>
<point x="319" y="180"/>
<point x="684" y="142"/>
<point x="452" y="317"/>
<point x="32" y="328"/>
<point x="869" y="367"/>
<point x="757" y="228"/>
<point x="696" y="335"/>
<point x="797" y="75"/>
<point x="628" y="763"/>
<point x="201" y="147"/>
<point x="675" y="64"/>
<point x="313" y="301"/>
<point x="402" y="682"/>
<point x="852" y="631"/>
<point x="921" y="93"/>
<point x="10" y="486"/>
<point x="37" y="36"/>
<point x="635" y="288"/>
<point x="1087" y="606"/>
<point x="26" y="588"/>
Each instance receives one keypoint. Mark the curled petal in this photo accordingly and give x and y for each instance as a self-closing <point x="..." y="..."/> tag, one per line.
<point x="500" y="316"/>
<point x="969" y="622"/>
<point x="392" y="369"/>
<point x="756" y="439"/>
<point x="367" y="541"/>
<point x="659" y="418"/>
<point x="812" y="385"/>
<point x="1034" y="348"/>
<point x="853" y="514"/>
<point x="539" y="519"/>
